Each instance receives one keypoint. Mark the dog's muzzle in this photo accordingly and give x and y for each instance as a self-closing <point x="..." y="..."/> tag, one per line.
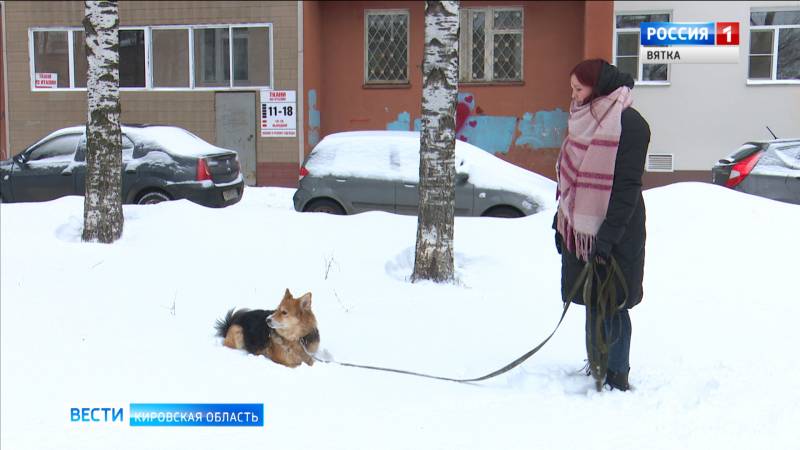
<point x="273" y="324"/>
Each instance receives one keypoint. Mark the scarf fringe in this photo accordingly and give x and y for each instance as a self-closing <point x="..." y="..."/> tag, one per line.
<point x="577" y="243"/>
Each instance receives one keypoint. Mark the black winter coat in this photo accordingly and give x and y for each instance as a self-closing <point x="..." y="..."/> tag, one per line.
<point x="624" y="225"/>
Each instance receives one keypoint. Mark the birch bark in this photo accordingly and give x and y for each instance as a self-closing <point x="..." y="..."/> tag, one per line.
<point x="434" y="245"/>
<point x="102" y="208"/>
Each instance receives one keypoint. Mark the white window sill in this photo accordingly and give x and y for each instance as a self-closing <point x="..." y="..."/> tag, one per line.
<point x="141" y="89"/>
<point x="652" y="83"/>
<point x="772" y="82"/>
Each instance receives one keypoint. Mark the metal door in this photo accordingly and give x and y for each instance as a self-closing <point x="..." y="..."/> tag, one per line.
<point x="236" y="129"/>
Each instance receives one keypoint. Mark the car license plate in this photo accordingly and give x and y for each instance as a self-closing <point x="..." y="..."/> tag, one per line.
<point x="230" y="194"/>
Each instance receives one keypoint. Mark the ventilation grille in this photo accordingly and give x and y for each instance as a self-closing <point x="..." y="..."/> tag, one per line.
<point x="662" y="162"/>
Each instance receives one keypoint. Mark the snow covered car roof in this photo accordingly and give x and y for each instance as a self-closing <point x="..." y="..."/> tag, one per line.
<point x="394" y="155"/>
<point x="174" y="140"/>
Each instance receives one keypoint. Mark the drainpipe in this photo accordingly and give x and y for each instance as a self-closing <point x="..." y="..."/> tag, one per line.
<point x="7" y="153"/>
<point x="301" y="96"/>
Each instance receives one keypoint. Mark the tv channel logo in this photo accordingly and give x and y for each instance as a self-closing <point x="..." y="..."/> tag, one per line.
<point x="689" y="42"/>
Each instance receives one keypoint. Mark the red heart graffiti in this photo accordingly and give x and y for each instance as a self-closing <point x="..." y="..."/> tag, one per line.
<point x="462" y="113"/>
<point x="472" y="123"/>
<point x="468" y="99"/>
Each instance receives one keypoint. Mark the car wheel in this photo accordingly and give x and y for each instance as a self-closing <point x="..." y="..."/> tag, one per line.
<point x="507" y="212"/>
<point x="152" y="197"/>
<point x="325" y="205"/>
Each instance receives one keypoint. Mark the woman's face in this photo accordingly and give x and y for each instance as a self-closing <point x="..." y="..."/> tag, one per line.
<point x="579" y="92"/>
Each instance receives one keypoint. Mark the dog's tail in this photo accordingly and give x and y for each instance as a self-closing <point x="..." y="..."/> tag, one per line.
<point x="222" y="325"/>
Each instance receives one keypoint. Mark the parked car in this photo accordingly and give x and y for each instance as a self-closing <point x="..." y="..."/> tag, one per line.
<point x="351" y="172"/>
<point x="159" y="163"/>
<point x="769" y="169"/>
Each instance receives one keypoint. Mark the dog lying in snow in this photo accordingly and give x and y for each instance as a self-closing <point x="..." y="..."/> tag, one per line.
<point x="278" y="334"/>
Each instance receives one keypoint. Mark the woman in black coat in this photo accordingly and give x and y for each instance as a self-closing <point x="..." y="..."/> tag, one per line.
<point x="621" y="231"/>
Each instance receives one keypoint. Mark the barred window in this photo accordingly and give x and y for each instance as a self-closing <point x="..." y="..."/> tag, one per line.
<point x="386" y="47"/>
<point x="774" y="45"/>
<point x="626" y="47"/>
<point x="490" y="47"/>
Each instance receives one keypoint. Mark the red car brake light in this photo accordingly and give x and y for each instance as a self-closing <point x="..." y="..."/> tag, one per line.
<point x="742" y="169"/>
<point x="303" y="172"/>
<point x="202" y="170"/>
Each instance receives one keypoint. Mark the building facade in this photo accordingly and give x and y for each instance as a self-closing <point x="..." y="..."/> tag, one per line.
<point x="197" y="65"/>
<point x="699" y="113"/>
<point x="356" y="65"/>
<point x="362" y="70"/>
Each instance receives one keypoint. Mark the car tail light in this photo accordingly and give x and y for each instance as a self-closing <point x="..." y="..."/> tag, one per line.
<point x="202" y="170"/>
<point x="303" y="172"/>
<point x="742" y="169"/>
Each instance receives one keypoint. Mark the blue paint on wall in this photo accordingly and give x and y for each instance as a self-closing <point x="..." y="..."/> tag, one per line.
<point x="468" y="99"/>
<point x="546" y="129"/>
<point x="491" y="133"/>
<point x="418" y="124"/>
<point x="403" y="122"/>
<point x="313" y="119"/>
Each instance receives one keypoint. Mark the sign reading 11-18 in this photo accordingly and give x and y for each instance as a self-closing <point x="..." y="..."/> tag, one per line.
<point x="278" y="113"/>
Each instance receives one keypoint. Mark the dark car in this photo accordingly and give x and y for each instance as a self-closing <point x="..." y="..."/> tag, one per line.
<point x="359" y="171"/>
<point x="159" y="163"/>
<point x="768" y="169"/>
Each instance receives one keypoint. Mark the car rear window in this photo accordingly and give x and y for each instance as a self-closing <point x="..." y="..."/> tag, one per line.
<point x="780" y="160"/>
<point x="174" y="140"/>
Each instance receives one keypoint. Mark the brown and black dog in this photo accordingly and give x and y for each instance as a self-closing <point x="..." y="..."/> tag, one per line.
<point x="278" y="334"/>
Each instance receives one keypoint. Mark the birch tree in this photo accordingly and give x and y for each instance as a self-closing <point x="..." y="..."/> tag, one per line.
<point x="434" y="248"/>
<point x="102" y="207"/>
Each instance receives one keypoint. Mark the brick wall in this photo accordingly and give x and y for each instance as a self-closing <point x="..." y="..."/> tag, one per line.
<point x="35" y="114"/>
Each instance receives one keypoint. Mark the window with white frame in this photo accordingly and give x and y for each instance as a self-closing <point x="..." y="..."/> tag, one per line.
<point x="170" y="57"/>
<point x="774" y="45"/>
<point x="490" y="47"/>
<point x="386" y="46"/>
<point x="626" y="47"/>
<point x="160" y="57"/>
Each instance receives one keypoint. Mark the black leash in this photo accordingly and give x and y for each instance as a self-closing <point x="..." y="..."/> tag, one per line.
<point x="589" y="267"/>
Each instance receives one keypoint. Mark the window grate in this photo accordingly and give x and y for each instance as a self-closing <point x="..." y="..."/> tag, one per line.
<point x="387" y="47"/>
<point x="478" y="45"/>
<point x="507" y="56"/>
<point x="491" y="44"/>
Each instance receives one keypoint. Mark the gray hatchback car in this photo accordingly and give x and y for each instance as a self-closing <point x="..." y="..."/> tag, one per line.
<point x="353" y="172"/>
<point x="768" y="169"/>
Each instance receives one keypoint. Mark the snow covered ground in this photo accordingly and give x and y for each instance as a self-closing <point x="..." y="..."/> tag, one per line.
<point x="89" y="325"/>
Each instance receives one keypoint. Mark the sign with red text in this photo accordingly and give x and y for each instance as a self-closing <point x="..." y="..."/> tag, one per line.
<point x="278" y="113"/>
<point x="46" y="80"/>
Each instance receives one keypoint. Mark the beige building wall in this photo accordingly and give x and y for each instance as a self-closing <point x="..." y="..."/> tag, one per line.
<point x="709" y="110"/>
<point x="34" y="114"/>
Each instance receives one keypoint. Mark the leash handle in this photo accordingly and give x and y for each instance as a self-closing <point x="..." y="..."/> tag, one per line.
<point x="578" y="283"/>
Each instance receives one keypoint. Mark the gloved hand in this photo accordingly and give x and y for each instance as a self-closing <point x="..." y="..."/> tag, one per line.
<point x="559" y="243"/>
<point x="601" y="253"/>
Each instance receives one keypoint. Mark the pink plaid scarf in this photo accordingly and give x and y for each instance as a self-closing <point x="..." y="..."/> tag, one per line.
<point x="585" y="169"/>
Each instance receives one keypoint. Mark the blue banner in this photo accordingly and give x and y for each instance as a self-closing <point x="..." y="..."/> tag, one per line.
<point x="197" y="415"/>
<point x="662" y="34"/>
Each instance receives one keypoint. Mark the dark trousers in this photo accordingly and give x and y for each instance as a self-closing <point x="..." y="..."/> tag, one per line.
<point x="617" y="330"/>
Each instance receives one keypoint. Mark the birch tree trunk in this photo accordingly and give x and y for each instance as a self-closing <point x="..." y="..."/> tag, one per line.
<point x="102" y="207"/>
<point x="434" y="249"/>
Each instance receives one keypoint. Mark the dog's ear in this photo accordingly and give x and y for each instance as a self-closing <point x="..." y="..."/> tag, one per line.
<point x="287" y="294"/>
<point x="305" y="301"/>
